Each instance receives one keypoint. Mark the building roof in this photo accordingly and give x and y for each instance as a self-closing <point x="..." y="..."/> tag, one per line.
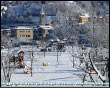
<point x="23" y="27"/>
<point x="85" y="15"/>
<point x="46" y="27"/>
<point x="6" y="29"/>
<point x="3" y="7"/>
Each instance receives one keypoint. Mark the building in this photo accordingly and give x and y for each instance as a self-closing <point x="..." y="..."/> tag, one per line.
<point x="83" y="18"/>
<point x="102" y="19"/>
<point x="43" y="25"/>
<point x="42" y="17"/>
<point x="49" y="20"/>
<point x="43" y="32"/>
<point x="23" y="33"/>
<point x="6" y="32"/>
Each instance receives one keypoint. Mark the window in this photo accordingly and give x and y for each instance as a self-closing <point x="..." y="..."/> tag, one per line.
<point x="21" y="31"/>
<point x="28" y="35"/>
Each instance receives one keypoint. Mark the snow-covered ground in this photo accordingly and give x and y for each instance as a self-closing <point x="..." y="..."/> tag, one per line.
<point x="61" y="71"/>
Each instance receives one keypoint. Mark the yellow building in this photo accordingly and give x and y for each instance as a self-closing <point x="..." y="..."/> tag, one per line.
<point x="25" y="33"/>
<point x="50" y="24"/>
<point x="83" y="18"/>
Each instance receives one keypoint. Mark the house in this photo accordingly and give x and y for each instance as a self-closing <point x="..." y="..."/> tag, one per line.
<point x="6" y="32"/>
<point x="23" y="33"/>
<point x="83" y="18"/>
<point x="102" y="19"/>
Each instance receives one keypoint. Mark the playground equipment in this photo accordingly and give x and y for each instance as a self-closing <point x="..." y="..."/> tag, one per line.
<point x="43" y="64"/>
<point x="27" y="69"/>
<point x="17" y="58"/>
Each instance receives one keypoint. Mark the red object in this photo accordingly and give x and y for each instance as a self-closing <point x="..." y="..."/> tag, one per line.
<point x="27" y="69"/>
<point x="30" y="68"/>
<point x="92" y="71"/>
<point x="21" y="59"/>
<point x="67" y="40"/>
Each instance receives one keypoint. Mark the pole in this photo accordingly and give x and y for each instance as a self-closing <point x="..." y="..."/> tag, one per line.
<point x="57" y="52"/>
<point x="31" y="59"/>
<point x="9" y="72"/>
<point x="73" y="56"/>
<point x="32" y="51"/>
<point x="93" y="42"/>
<point x="72" y="44"/>
<point x="32" y="56"/>
<point x="31" y="67"/>
<point x="44" y="49"/>
<point x="44" y="52"/>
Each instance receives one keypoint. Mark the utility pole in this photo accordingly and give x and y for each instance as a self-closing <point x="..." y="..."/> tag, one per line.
<point x="31" y="66"/>
<point x="73" y="55"/>
<point x="44" y="50"/>
<point x="93" y="34"/>
<point x="31" y="59"/>
<point x="9" y="73"/>
<point x="57" y="52"/>
<point x="32" y="50"/>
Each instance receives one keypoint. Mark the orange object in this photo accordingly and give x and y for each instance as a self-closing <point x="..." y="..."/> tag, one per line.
<point x="92" y="71"/>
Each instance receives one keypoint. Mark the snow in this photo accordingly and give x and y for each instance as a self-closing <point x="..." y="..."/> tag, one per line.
<point x="61" y="71"/>
<point x="47" y="27"/>
<point x="24" y="27"/>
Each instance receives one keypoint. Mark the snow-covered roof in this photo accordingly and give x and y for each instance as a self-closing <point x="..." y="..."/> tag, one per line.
<point x="4" y="7"/>
<point x="58" y="40"/>
<point x="51" y="40"/>
<point x="6" y="29"/>
<point x="65" y="39"/>
<point x="62" y="42"/>
<point x="46" y="27"/>
<point x="85" y="15"/>
<point x="80" y="23"/>
<point x="23" y="27"/>
<point x="51" y="3"/>
<point x="70" y="1"/>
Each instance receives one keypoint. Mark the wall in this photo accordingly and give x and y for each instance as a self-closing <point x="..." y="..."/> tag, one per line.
<point x="25" y="33"/>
